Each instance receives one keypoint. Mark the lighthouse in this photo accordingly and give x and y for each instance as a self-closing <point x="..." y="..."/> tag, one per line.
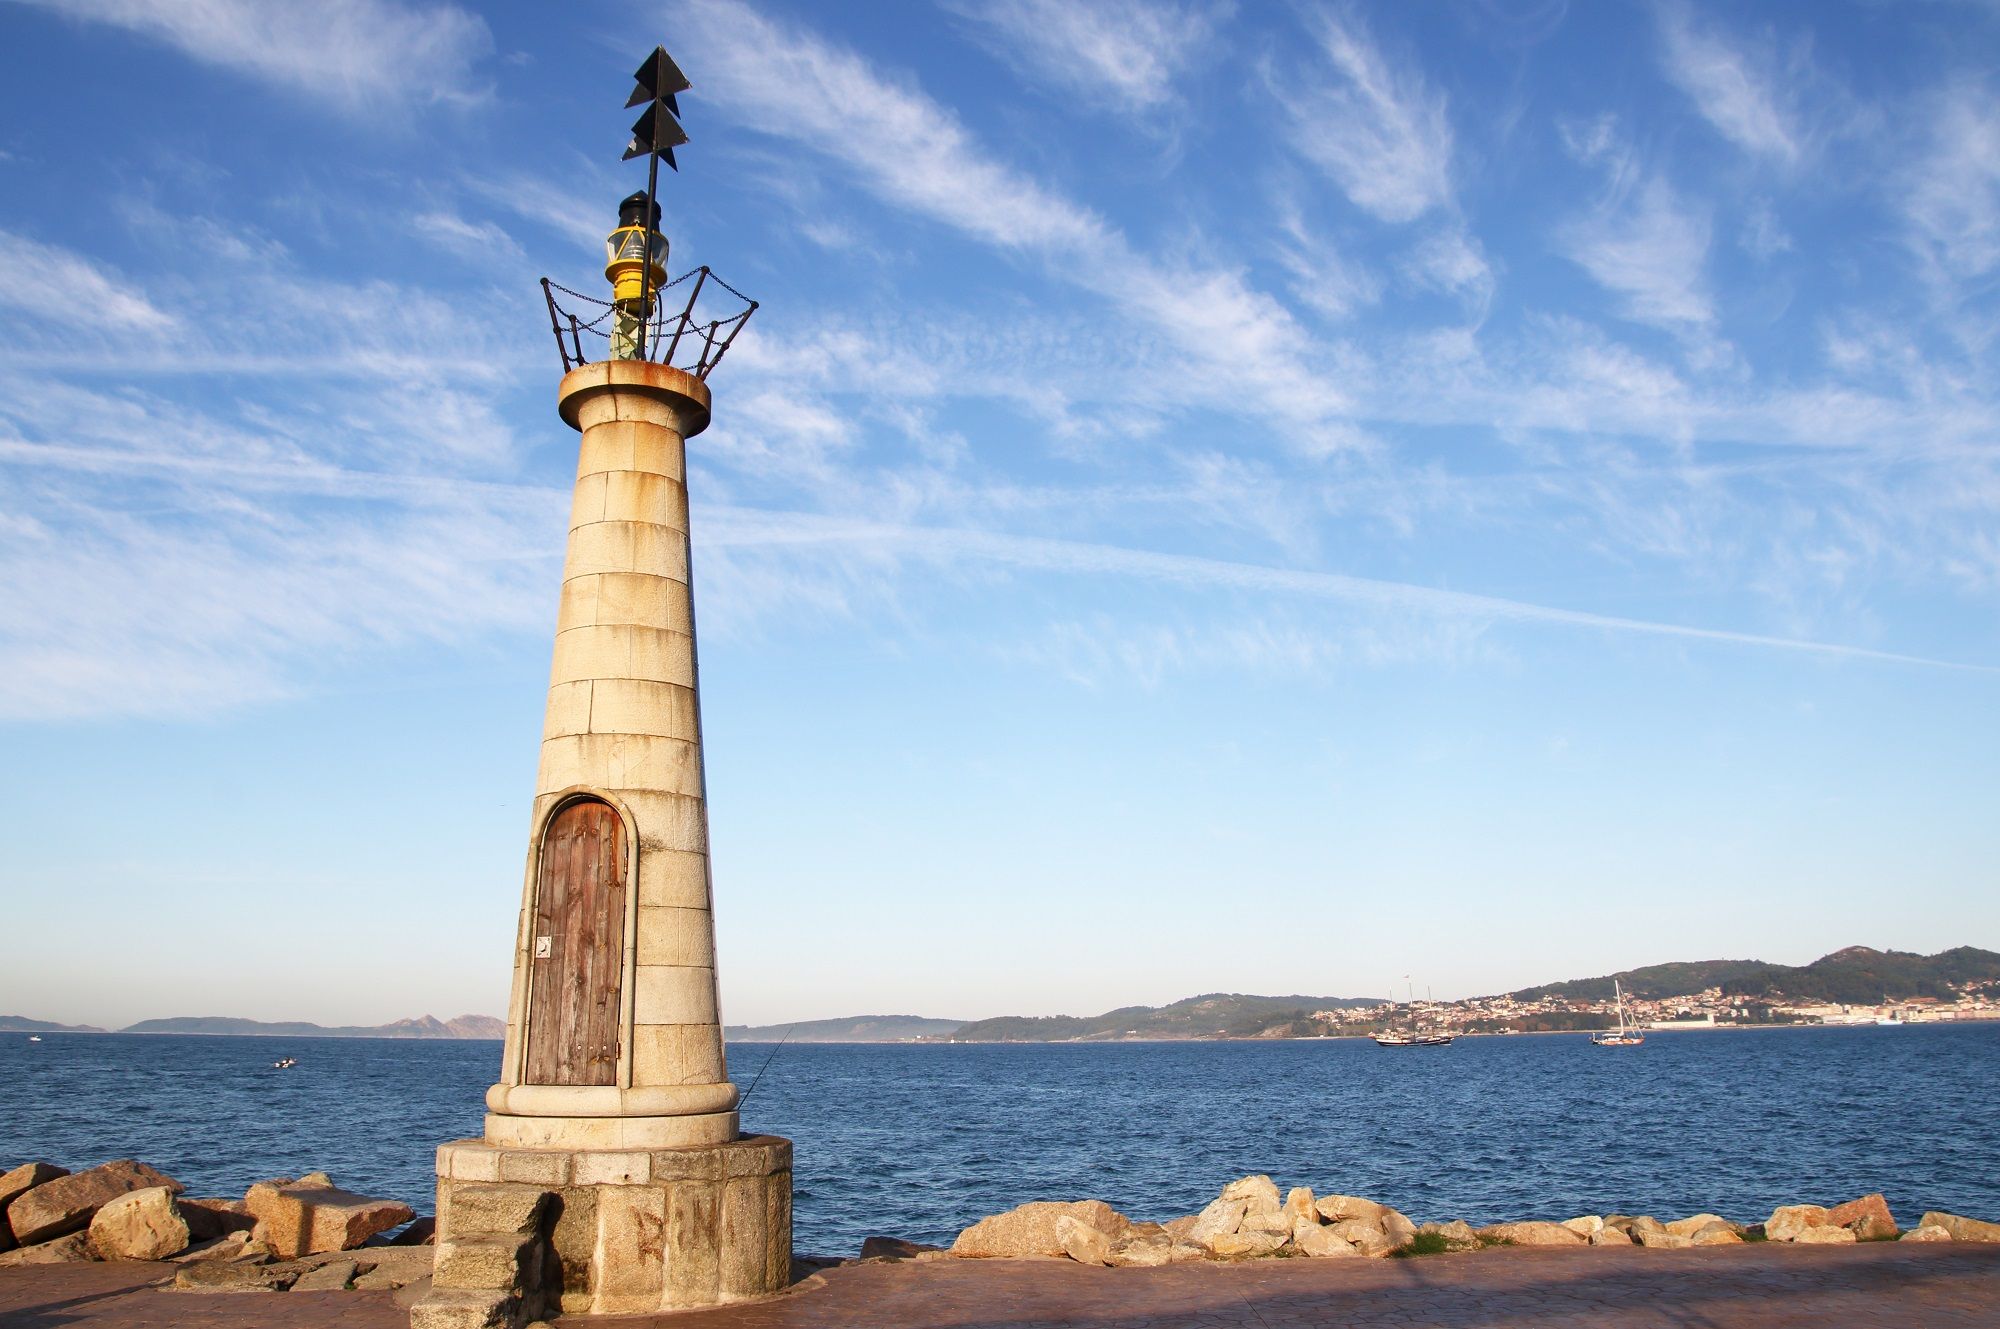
<point x="612" y="1175"/>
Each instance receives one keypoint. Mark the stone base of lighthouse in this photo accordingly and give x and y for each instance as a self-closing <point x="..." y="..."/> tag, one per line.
<point x="525" y="1234"/>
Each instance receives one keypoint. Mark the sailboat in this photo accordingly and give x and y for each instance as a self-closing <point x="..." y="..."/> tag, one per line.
<point x="1412" y="1037"/>
<point x="1625" y="1037"/>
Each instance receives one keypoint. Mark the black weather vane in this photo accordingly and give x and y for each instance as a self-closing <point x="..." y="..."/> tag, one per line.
<point x="636" y="251"/>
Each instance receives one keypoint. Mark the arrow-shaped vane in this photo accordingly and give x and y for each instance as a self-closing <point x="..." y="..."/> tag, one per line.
<point x="657" y="132"/>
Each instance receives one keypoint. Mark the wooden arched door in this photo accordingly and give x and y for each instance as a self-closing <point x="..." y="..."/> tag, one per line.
<point x="577" y="948"/>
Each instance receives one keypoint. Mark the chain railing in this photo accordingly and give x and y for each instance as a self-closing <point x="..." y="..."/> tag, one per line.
<point x="680" y="337"/>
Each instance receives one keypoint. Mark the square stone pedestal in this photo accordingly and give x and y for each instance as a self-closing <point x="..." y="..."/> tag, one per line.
<point x="632" y="1231"/>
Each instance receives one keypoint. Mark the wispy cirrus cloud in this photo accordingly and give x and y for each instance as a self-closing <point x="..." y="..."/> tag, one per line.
<point x="360" y="55"/>
<point x="735" y="528"/>
<point x="1125" y="54"/>
<point x="1649" y="247"/>
<point x="1950" y="194"/>
<point x="57" y="285"/>
<point x="1375" y="126"/>
<point x="915" y="154"/>
<point x="1735" y="88"/>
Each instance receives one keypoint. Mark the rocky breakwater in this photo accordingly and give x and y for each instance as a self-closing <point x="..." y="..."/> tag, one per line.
<point x="298" y="1234"/>
<point x="1252" y="1218"/>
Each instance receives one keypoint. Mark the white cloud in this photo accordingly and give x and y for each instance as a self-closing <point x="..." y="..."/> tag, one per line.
<point x="358" y="54"/>
<point x="914" y="153"/>
<point x="1735" y="91"/>
<point x="1123" y="53"/>
<point x="1452" y="261"/>
<point x="736" y="528"/>
<point x="64" y="288"/>
<point x="1323" y="278"/>
<point x="475" y="242"/>
<point x="1651" y="250"/>
<point x="1951" y="192"/>
<point x="1379" y="131"/>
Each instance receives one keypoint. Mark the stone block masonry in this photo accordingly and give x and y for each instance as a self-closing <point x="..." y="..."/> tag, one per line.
<point x="631" y="1230"/>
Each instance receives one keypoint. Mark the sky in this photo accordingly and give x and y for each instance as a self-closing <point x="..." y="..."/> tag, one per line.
<point x="1215" y="497"/>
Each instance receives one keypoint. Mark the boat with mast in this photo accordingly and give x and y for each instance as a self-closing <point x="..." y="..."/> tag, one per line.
<point x="1624" y="1037"/>
<point x="1411" y="1037"/>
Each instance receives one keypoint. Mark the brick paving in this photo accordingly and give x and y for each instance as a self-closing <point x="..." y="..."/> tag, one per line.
<point x="1886" y="1286"/>
<point x="133" y="1296"/>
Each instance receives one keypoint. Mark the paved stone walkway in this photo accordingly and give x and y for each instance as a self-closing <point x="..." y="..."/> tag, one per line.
<point x="130" y="1296"/>
<point x="1745" y="1287"/>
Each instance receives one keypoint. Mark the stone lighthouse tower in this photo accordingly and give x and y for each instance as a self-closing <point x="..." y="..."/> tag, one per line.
<point x="612" y="1175"/>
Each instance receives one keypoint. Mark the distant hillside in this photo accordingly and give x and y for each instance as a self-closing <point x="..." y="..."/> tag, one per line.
<point x="425" y="1026"/>
<point x="21" y="1024"/>
<point x="852" y="1029"/>
<point x="1212" y="1015"/>
<point x="1856" y="976"/>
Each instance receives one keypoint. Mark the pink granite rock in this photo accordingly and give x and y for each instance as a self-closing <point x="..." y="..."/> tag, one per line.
<point x="67" y="1203"/>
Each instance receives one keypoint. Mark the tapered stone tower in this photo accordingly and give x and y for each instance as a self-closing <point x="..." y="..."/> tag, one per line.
<point x="612" y="1176"/>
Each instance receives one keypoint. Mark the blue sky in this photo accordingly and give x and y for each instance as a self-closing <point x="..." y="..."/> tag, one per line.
<point x="1240" y="497"/>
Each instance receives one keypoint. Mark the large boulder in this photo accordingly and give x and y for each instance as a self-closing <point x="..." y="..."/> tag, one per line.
<point x="1926" y="1232"/>
<point x="1299" y="1205"/>
<point x="1082" y="1242"/>
<point x="1311" y="1238"/>
<point x="72" y="1248"/>
<point x="16" y="1183"/>
<point x="1220" y="1219"/>
<point x="1031" y="1229"/>
<point x="1658" y="1238"/>
<point x="1587" y="1226"/>
<point x="1533" y="1234"/>
<point x="1868" y="1218"/>
<point x="1333" y="1208"/>
<point x="1961" y="1229"/>
<point x="1824" y="1236"/>
<point x="1717" y="1234"/>
<point x="1145" y="1246"/>
<point x="67" y="1203"/>
<point x="1611" y="1236"/>
<point x="139" y="1225"/>
<point x="1687" y="1227"/>
<point x="1364" y="1235"/>
<point x="1788" y="1221"/>
<point x="1259" y="1194"/>
<point x="304" y="1217"/>
<point x="1396" y="1227"/>
<point x="1250" y="1241"/>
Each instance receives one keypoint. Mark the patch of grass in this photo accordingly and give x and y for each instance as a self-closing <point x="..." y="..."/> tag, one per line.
<point x="1423" y="1243"/>
<point x="1755" y="1233"/>
<point x="1486" y="1241"/>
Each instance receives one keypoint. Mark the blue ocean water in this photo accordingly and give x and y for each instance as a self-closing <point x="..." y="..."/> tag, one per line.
<point x="918" y="1141"/>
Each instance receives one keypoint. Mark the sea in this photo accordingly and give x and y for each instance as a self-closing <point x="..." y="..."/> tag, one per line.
<point x="919" y="1140"/>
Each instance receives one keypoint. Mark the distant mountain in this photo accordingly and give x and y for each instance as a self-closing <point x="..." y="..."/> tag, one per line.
<point x="1212" y="1015"/>
<point x="21" y="1024"/>
<point x="852" y="1029"/>
<point x="425" y="1026"/>
<point x="1858" y="976"/>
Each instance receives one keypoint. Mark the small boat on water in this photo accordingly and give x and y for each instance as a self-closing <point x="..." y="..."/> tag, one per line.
<point x="1414" y="1039"/>
<point x="1624" y="1037"/>
<point x="34" y="1038"/>
<point x="284" y="1063"/>
<point x="1886" y="1020"/>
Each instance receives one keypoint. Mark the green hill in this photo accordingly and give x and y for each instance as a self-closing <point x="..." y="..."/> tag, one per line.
<point x="1212" y="1015"/>
<point x="849" y="1029"/>
<point x="1858" y="975"/>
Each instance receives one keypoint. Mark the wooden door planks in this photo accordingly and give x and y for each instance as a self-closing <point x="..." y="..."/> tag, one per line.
<point x="573" y="1005"/>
